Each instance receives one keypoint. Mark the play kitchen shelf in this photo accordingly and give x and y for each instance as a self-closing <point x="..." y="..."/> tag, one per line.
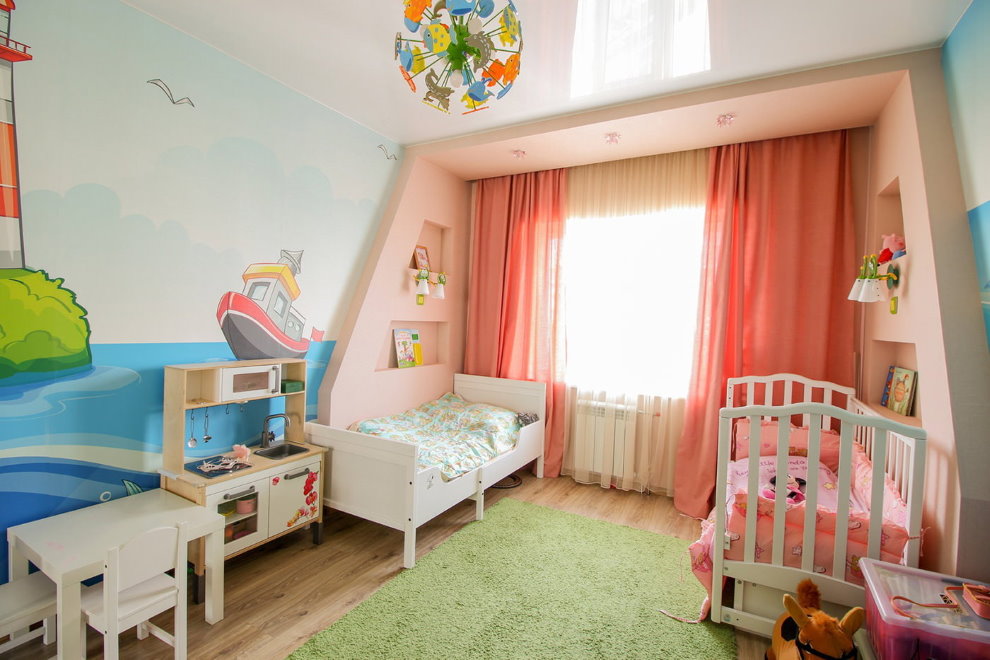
<point x="273" y="496"/>
<point x="195" y="386"/>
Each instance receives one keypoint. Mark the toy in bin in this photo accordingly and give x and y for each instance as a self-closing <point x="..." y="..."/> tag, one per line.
<point x="911" y="613"/>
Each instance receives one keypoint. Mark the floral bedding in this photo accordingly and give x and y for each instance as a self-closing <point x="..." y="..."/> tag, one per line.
<point x="893" y="532"/>
<point x="453" y="434"/>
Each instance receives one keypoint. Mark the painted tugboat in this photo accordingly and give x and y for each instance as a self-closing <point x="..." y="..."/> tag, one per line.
<point x="260" y="322"/>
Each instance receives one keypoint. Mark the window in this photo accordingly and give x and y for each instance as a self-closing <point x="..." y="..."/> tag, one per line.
<point x="281" y="303"/>
<point x="618" y="42"/>
<point x="258" y="291"/>
<point x="631" y="298"/>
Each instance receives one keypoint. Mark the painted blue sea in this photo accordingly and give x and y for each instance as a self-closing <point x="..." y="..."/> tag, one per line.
<point x="96" y="435"/>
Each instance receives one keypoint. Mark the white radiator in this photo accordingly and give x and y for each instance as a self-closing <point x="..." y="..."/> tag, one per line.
<point x="604" y="427"/>
<point x="625" y="441"/>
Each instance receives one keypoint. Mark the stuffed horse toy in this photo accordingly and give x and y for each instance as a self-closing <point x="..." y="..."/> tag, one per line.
<point x="804" y="632"/>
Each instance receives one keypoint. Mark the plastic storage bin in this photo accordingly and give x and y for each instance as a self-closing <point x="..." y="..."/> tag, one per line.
<point x="940" y="634"/>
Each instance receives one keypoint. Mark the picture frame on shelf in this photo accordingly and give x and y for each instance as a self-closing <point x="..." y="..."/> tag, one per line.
<point x="422" y="257"/>
<point x="902" y="390"/>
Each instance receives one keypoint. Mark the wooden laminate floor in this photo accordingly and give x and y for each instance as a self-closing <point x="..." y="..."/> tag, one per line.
<point x="279" y="595"/>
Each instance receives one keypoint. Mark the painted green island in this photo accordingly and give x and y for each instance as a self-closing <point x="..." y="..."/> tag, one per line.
<point x="43" y="329"/>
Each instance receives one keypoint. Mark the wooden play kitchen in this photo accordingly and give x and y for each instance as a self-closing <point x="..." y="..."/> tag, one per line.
<point x="277" y="493"/>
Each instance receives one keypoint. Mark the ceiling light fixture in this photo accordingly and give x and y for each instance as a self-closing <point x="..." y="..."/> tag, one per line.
<point x="612" y="138"/>
<point x="725" y="119"/>
<point x="464" y="47"/>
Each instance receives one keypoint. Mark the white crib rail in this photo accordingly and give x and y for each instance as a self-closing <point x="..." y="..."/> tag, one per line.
<point x="902" y="459"/>
<point x="784" y="389"/>
<point x="897" y="452"/>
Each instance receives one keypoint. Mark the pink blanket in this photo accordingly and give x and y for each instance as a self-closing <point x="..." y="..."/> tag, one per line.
<point x="893" y="534"/>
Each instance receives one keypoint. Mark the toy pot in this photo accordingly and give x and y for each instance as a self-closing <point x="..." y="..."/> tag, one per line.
<point x="247" y="506"/>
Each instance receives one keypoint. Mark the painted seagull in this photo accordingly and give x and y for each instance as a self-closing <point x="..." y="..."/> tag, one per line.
<point x="161" y="85"/>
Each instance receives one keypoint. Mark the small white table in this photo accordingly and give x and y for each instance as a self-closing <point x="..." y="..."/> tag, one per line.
<point x="72" y="547"/>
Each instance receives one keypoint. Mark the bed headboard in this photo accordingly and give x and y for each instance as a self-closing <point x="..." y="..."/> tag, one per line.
<point x="517" y="395"/>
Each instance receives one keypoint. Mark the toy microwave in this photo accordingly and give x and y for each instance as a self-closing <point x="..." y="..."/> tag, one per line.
<point x="240" y="383"/>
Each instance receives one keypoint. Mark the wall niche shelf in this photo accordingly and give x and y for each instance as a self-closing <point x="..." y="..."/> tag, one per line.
<point x="881" y="411"/>
<point x="435" y="239"/>
<point x="883" y="354"/>
<point x="434" y="342"/>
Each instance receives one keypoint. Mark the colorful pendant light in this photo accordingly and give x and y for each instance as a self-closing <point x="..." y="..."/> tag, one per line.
<point x="462" y="51"/>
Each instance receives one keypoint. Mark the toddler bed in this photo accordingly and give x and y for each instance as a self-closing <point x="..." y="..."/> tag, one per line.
<point x="410" y="475"/>
<point x="854" y="482"/>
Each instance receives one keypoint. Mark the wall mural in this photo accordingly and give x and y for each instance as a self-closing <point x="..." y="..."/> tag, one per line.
<point x="45" y="334"/>
<point x="979" y="224"/>
<point x="261" y="322"/>
<point x="964" y="58"/>
<point x="96" y="297"/>
<point x="46" y="363"/>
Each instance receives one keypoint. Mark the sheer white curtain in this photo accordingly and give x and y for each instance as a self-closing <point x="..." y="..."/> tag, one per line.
<point x="630" y="275"/>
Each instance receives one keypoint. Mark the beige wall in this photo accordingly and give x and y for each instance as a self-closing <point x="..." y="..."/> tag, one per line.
<point x="428" y="206"/>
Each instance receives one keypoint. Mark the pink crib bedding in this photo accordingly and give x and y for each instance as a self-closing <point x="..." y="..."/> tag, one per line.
<point x="893" y="533"/>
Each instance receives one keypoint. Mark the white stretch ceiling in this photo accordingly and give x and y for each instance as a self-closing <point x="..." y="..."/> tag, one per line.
<point x="341" y="53"/>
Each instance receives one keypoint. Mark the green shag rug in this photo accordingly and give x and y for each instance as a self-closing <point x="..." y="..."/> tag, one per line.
<point x="533" y="582"/>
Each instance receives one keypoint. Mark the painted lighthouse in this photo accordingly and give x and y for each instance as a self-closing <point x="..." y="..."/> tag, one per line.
<point x="45" y="331"/>
<point x="11" y="241"/>
<point x="260" y="322"/>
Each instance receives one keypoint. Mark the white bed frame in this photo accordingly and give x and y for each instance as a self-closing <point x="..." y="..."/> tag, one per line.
<point x="377" y="478"/>
<point x="896" y="450"/>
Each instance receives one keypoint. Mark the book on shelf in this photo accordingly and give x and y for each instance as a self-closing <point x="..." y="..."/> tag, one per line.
<point x="408" y="351"/>
<point x="886" y="386"/>
<point x="903" y="385"/>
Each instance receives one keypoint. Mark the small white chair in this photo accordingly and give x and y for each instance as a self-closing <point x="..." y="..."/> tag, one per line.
<point x="135" y="588"/>
<point x="24" y="601"/>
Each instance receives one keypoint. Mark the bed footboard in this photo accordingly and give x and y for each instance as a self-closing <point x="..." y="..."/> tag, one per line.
<point x="367" y="476"/>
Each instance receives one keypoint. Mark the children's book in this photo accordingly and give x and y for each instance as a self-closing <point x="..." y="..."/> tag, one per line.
<point x="902" y="389"/>
<point x="886" y="386"/>
<point x="405" y="354"/>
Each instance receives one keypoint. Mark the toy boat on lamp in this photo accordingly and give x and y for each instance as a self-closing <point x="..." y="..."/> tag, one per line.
<point x="260" y="322"/>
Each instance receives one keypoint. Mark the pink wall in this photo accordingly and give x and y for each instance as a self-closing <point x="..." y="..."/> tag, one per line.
<point x="429" y="206"/>
<point x="938" y="328"/>
<point x="912" y="154"/>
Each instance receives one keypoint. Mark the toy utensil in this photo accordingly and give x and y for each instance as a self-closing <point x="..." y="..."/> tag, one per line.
<point x="206" y="427"/>
<point x="192" y="429"/>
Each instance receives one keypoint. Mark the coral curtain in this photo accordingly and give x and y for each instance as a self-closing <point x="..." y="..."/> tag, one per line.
<point x="777" y="262"/>
<point x="512" y="324"/>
